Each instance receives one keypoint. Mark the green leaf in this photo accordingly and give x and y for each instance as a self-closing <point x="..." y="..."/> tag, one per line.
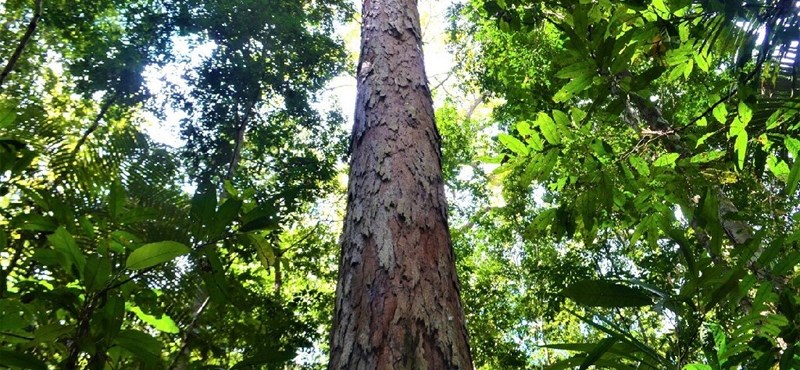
<point x="598" y="352"/>
<point x="97" y="272"/>
<point x="20" y="360"/>
<point x="142" y="345"/>
<point x="204" y="204"/>
<point x="745" y="113"/>
<point x="155" y="253"/>
<point x="7" y="117"/>
<point x="697" y="367"/>
<point x="701" y="61"/>
<point x="34" y="222"/>
<point x="793" y="145"/>
<point x="793" y="178"/>
<point x="720" y="112"/>
<point x="708" y="156"/>
<point x="116" y="200"/>
<point x="602" y="293"/>
<point x="561" y="118"/>
<point x="741" y="148"/>
<point x="524" y="128"/>
<point x="640" y="165"/>
<point x="535" y="141"/>
<point x="513" y="143"/>
<point x="677" y="72"/>
<point x="703" y="138"/>
<point x="666" y="160"/>
<point x="548" y="128"/>
<point x="226" y="213"/>
<point x="164" y="323"/>
<point x="573" y="87"/>
<point x="580" y="69"/>
<point x="660" y="6"/>
<point x="63" y="243"/>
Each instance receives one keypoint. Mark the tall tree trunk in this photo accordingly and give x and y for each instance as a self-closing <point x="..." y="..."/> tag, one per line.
<point x="397" y="298"/>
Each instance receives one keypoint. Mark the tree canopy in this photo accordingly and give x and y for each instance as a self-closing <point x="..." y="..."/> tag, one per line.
<point x="622" y="179"/>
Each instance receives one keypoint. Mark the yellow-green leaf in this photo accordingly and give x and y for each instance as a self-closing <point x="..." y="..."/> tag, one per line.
<point x="164" y="323"/>
<point x="794" y="178"/>
<point x="513" y="143"/>
<point x="720" y="112"/>
<point x="666" y="160"/>
<point x="153" y="254"/>
<point x="549" y="129"/>
<point x="745" y="113"/>
<point x="741" y="148"/>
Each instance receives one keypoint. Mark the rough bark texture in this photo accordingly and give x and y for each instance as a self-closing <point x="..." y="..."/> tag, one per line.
<point x="397" y="299"/>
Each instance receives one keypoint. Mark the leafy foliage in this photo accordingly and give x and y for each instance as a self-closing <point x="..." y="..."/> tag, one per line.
<point x="657" y="131"/>
<point x="108" y="260"/>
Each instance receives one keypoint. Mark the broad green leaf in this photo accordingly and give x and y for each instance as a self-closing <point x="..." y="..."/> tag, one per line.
<point x="116" y="200"/>
<point x="573" y="87"/>
<point x="63" y="243"/>
<point x="702" y="122"/>
<point x="683" y="32"/>
<point x="741" y="148"/>
<point x="19" y="360"/>
<point x="581" y="69"/>
<point x="142" y="345"/>
<point x="720" y="112"/>
<point x="793" y="145"/>
<point x="524" y="128"/>
<point x="34" y="222"/>
<point x="697" y="367"/>
<point x="561" y="119"/>
<point x="513" y="143"/>
<point x="708" y="156"/>
<point x="601" y="293"/>
<point x="703" y="138"/>
<point x="97" y="272"/>
<point x="52" y="332"/>
<point x="701" y="61"/>
<point x="794" y="178"/>
<point x="548" y="128"/>
<point x="230" y="189"/>
<point x="688" y="69"/>
<point x="7" y="117"/>
<point x="204" y="204"/>
<point x="535" y="141"/>
<point x="598" y="352"/>
<point x="660" y="6"/>
<point x="666" y="160"/>
<point x="226" y="213"/>
<point x="153" y="254"/>
<point x="164" y="323"/>
<point x="640" y="165"/>
<point x="745" y="113"/>
<point x="677" y="72"/>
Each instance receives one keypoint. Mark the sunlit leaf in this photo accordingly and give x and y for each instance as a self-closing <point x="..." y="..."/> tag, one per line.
<point x="601" y="293"/>
<point x="513" y="143"/>
<point x="153" y="254"/>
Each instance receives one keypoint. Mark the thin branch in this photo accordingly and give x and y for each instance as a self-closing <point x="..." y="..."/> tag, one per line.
<point x="26" y="38"/>
<point x="95" y="125"/>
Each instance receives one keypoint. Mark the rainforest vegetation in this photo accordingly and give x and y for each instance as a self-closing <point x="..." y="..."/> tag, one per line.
<point x="621" y="177"/>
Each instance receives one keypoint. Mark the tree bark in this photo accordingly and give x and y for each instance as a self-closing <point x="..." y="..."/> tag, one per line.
<point x="397" y="298"/>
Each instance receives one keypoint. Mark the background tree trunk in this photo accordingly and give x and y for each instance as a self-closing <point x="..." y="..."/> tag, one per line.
<point x="397" y="298"/>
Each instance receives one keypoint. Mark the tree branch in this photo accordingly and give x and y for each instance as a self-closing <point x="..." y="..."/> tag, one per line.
<point x="26" y="38"/>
